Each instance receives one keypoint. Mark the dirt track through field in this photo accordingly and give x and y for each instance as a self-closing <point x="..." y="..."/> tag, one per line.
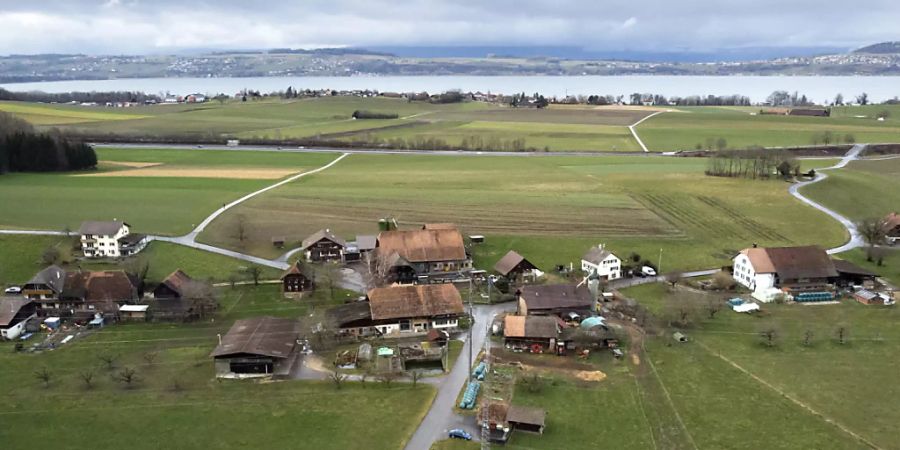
<point x="790" y="397"/>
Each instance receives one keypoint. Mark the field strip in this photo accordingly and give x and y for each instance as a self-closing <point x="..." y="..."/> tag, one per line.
<point x="412" y="116"/>
<point x="671" y="403"/>
<point x="790" y="397"/>
<point x="269" y="173"/>
<point x="193" y="234"/>
<point x="640" y="403"/>
<point x="634" y="132"/>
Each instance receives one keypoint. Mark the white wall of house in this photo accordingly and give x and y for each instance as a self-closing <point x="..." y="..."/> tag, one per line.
<point x="445" y="323"/>
<point x="103" y="246"/>
<point x="746" y="275"/>
<point x="611" y="267"/>
<point x="14" y="331"/>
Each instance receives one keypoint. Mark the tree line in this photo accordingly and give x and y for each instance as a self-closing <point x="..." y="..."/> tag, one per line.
<point x="24" y="150"/>
<point x="80" y="97"/>
<point x="754" y="164"/>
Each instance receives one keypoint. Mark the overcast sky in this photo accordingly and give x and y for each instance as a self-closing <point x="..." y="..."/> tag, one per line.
<point x="142" y="26"/>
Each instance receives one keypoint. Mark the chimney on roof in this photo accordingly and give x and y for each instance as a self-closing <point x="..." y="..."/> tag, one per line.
<point x="220" y="338"/>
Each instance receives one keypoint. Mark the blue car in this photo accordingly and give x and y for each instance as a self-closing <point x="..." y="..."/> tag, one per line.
<point x="457" y="433"/>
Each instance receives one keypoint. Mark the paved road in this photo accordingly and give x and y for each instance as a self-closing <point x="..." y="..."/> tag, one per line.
<point x="285" y="149"/>
<point x="440" y="417"/>
<point x="629" y="282"/>
<point x="856" y="239"/>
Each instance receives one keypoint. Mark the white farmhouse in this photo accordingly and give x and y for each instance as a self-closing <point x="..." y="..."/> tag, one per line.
<point x="607" y="265"/>
<point x="770" y="272"/>
<point x="110" y="239"/>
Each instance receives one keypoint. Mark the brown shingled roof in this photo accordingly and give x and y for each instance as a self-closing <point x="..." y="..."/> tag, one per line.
<point x="322" y="234"/>
<point x="102" y="228"/>
<point x="426" y="300"/>
<point x="511" y="261"/>
<point x="9" y="307"/>
<point x="267" y="336"/>
<point x="526" y="415"/>
<point x="423" y="245"/>
<point x="799" y="262"/>
<point x="530" y="327"/>
<point x="177" y="280"/>
<point x="556" y="296"/>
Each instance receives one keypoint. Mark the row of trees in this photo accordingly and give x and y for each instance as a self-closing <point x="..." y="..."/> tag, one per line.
<point x="756" y="163"/>
<point x="80" y="97"/>
<point x="24" y="150"/>
<point x="692" y="100"/>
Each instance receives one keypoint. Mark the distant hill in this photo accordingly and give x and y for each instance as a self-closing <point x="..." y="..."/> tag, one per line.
<point x="881" y="47"/>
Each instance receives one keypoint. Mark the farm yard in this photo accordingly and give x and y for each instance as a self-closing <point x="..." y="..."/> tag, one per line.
<point x="175" y="386"/>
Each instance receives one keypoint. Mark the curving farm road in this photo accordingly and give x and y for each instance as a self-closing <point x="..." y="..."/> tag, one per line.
<point x="856" y="239"/>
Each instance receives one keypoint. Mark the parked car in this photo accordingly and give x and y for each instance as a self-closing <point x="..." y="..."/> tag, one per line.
<point x="457" y="433"/>
<point x="13" y="290"/>
<point x="648" y="271"/>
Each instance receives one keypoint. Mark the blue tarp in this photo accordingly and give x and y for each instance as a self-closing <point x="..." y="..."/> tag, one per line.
<point x="592" y="322"/>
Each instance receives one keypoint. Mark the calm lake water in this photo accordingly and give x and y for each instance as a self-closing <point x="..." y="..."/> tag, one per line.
<point x="819" y="89"/>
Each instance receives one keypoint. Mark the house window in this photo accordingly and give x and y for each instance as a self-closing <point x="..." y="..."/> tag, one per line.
<point x="404" y="325"/>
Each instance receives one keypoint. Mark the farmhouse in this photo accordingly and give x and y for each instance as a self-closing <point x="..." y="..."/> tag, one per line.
<point x="801" y="272"/>
<point x="401" y="310"/>
<point x="607" y="265"/>
<point x="892" y="225"/>
<point x="809" y="112"/>
<point x="561" y="300"/>
<point x="514" y="267"/>
<point x="134" y="313"/>
<point x="323" y="246"/>
<point x="536" y="334"/>
<point x="436" y="253"/>
<point x="67" y="294"/>
<point x="850" y="274"/>
<point x="261" y="346"/>
<point x="295" y="281"/>
<point x="111" y="239"/>
<point x="46" y="285"/>
<point x="14" y="314"/>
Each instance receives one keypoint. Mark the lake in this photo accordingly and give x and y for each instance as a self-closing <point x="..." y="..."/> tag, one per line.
<point x="820" y="89"/>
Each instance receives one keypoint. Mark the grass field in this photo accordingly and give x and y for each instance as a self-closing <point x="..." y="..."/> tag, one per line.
<point x="551" y="209"/>
<point x="864" y="189"/>
<point x="155" y="413"/>
<point x="724" y="407"/>
<point x="20" y="259"/>
<point x="740" y="129"/>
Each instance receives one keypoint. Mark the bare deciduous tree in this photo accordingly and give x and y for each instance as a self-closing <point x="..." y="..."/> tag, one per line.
<point x="378" y="269"/>
<point x="254" y="272"/>
<point x="128" y="377"/>
<point x="44" y="375"/>
<point x="150" y="357"/>
<point x="330" y="275"/>
<point x="337" y="378"/>
<point x="414" y="376"/>
<point x="713" y="306"/>
<point x="770" y="336"/>
<point x="240" y="228"/>
<point x="874" y="231"/>
<point x="673" y="278"/>
<point x="203" y="297"/>
<point x="842" y="334"/>
<point x="808" y="338"/>
<point x="50" y="255"/>
<point x="109" y="361"/>
<point x="388" y="377"/>
<point x="87" y="376"/>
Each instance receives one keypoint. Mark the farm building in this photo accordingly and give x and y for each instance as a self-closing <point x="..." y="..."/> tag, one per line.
<point x="80" y="293"/>
<point x="867" y="297"/>
<point x="14" y="314"/>
<point x="323" y="246"/>
<point x="296" y="280"/>
<point x="46" y="284"/>
<point x="134" y="313"/>
<point x="809" y="112"/>
<point x="537" y="334"/>
<point x="797" y="271"/>
<point x="397" y="311"/>
<point x="261" y="346"/>
<point x="515" y="267"/>
<point x="561" y="300"/>
<point x="850" y="274"/>
<point x="109" y="239"/>
<point x="892" y="224"/>
<point x="435" y="253"/>
<point x="600" y="259"/>
<point x="173" y="286"/>
<point x="501" y="419"/>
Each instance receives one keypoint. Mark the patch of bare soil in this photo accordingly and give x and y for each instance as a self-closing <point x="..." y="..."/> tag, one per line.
<point x="132" y="164"/>
<point x="593" y="375"/>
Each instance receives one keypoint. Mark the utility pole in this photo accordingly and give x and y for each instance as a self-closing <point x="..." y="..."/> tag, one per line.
<point x="659" y="264"/>
<point x="471" y="326"/>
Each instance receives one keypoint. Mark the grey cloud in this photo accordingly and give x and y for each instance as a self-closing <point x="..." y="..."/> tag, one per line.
<point x="111" y="26"/>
